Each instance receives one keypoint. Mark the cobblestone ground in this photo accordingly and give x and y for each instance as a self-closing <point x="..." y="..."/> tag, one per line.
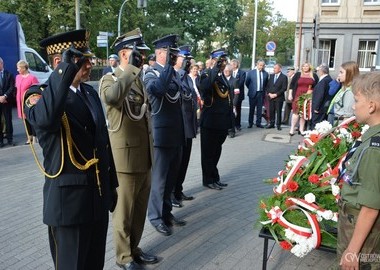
<point x="221" y="232"/>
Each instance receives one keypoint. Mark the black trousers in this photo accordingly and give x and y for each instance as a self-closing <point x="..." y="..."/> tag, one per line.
<point x="211" y="149"/>
<point x="186" y="152"/>
<point x="275" y="111"/>
<point x="238" y="114"/>
<point x="6" y="110"/>
<point x="256" y="102"/>
<point x="79" y="246"/>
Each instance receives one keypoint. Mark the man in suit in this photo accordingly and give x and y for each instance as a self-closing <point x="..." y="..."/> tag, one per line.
<point x="215" y="118"/>
<point x="7" y="89"/>
<point x="320" y="98"/>
<point x="126" y="105"/>
<point x="80" y="178"/>
<point x="256" y="82"/>
<point x="288" y="103"/>
<point x="189" y="107"/>
<point x="113" y="61"/>
<point x="233" y="88"/>
<point x="164" y="91"/>
<point x="276" y="88"/>
<point x="239" y="76"/>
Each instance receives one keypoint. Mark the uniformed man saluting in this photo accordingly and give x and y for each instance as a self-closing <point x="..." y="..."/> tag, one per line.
<point x="80" y="178"/>
<point x="126" y="105"/>
<point x="215" y="118"/>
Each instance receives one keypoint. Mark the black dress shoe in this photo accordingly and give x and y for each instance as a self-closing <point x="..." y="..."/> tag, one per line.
<point x="270" y="126"/>
<point x="221" y="184"/>
<point x="162" y="228"/>
<point x="231" y="135"/>
<point x="187" y="198"/>
<point x="130" y="266"/>
<point x="1" y="145"/>
<point x="260" y="126"/>
<point x="250" y="126"/>
<point x="173" y="221"/>
<point x="176" y="203"/>
<point x="145" y="258"/>
<point x="213" y="186"/>
<point x="279" y="128"/>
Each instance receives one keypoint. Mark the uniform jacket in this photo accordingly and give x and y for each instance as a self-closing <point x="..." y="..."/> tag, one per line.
<point x="217" y="110"/>
<point x="234" y="84"/>
<point x="251" y="82"/>
<point x="240" y="77"/>
<point x="131" y="140"/>
<point x="279" y="87"/>
<point x="8" y="85"/>
<point x="72" y="197"/>
<point x="163" y="86"/>
<point x="189" y="105"/>
<point x="320" y="98"/>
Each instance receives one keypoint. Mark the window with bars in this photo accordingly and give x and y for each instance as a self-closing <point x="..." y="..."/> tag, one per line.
<point x="367" y="53"/>
<point x="326" y="52"/>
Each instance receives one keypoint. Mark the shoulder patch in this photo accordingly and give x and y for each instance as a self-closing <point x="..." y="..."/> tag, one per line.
<point x="32" y="100"/>
<point x="375" y="142"/>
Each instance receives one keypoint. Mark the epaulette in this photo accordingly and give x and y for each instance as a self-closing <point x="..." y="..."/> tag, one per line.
<point x="152" y="70"/>
<point x="33" y="94"/>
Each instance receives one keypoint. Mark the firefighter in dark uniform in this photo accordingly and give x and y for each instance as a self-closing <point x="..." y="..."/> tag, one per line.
<point x="80" y="178"/>
<point x="215" y="118"/>
<point x="164" y="93"/>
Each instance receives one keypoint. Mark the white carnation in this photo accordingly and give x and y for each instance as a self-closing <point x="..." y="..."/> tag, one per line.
<point x="323" y="127"/>
<point x="327" y="215"/>
<point x="364" y="129"/>
<point x="310" y="197"/>
<point x="335" y="189"/>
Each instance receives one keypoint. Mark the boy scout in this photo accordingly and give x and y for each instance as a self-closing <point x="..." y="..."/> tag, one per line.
<point x="359" y="222"/>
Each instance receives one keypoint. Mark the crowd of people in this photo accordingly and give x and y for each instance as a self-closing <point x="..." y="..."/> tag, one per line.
<point x="135" y="165"/>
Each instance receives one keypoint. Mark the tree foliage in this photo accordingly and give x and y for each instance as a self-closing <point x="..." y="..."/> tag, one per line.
<point x="203" y="24"/>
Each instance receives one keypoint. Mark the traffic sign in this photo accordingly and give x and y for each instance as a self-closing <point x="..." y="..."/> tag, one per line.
<point x="107" y="34"/>
<point x="102" y="41"/>
<point x="270" y="46"/>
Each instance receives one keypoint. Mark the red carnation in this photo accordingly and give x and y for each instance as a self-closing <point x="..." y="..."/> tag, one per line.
<point x="292" y="186"/>
<point x="286" y="245"/>
<point x="356" y="134"/>
<point x="275" y="180"/>
<point x="289" y="203"/>
<point x="314" y="179"/>
<point x="337" y="141"/>
<point x="356" y="125"/>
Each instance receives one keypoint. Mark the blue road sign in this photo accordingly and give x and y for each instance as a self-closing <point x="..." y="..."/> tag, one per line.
<point x="270" y="46"/>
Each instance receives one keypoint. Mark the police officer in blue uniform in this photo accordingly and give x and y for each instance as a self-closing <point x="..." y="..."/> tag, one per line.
<point x="164" y="92"/>
<point x="189" y="113"/>
<point x="80" y="178"/>
<point x="215" y="118"/>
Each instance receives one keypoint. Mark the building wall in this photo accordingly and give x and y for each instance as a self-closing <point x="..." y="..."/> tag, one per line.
<point x="347" y="24"/>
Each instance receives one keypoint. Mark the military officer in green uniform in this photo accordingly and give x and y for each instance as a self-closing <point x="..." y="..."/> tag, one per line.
<point x="80" y="177"/>
<point x="359" y="221"/>
<point x="126" y="104"/>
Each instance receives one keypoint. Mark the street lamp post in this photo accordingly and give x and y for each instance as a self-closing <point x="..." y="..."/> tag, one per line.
<point x="254" y="37"/>
<point x="119" y="19"/>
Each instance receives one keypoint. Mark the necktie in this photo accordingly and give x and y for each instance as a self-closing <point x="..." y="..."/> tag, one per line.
<point x="84" y="98"/>
<point x="275" y="78"/>
<point x="261" y="80"/>
<point x="1" y="79"/>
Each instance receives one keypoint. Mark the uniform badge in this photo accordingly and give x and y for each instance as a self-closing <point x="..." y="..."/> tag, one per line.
<point x="32" y="100"/>
<point x="375" y="142"/>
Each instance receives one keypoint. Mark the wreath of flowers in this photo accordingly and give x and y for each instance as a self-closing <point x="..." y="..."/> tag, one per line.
<point x="302" y="212"/>
<point x="304" y="106"/>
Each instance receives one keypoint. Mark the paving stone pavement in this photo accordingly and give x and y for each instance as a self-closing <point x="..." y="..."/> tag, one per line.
<point x="221" y="230"/>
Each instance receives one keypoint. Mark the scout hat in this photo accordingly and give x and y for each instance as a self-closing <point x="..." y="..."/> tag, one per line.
<point x="128" y="40"/>
<point x="57" y="44"/>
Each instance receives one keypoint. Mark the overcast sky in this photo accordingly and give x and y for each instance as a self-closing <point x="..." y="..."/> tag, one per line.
<point x="288" y="8"/>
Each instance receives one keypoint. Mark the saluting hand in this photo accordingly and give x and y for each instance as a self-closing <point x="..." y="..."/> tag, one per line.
<point x="171" y="58"/>
<point x="69" y="56"/>
<point x="135" y="58"/>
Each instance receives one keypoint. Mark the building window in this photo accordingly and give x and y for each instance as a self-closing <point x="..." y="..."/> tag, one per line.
<point x="326" y="52"/>
<point x="371" y="2"/>
<point x="330" y="2"/>
<point x="367" y="54"/>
